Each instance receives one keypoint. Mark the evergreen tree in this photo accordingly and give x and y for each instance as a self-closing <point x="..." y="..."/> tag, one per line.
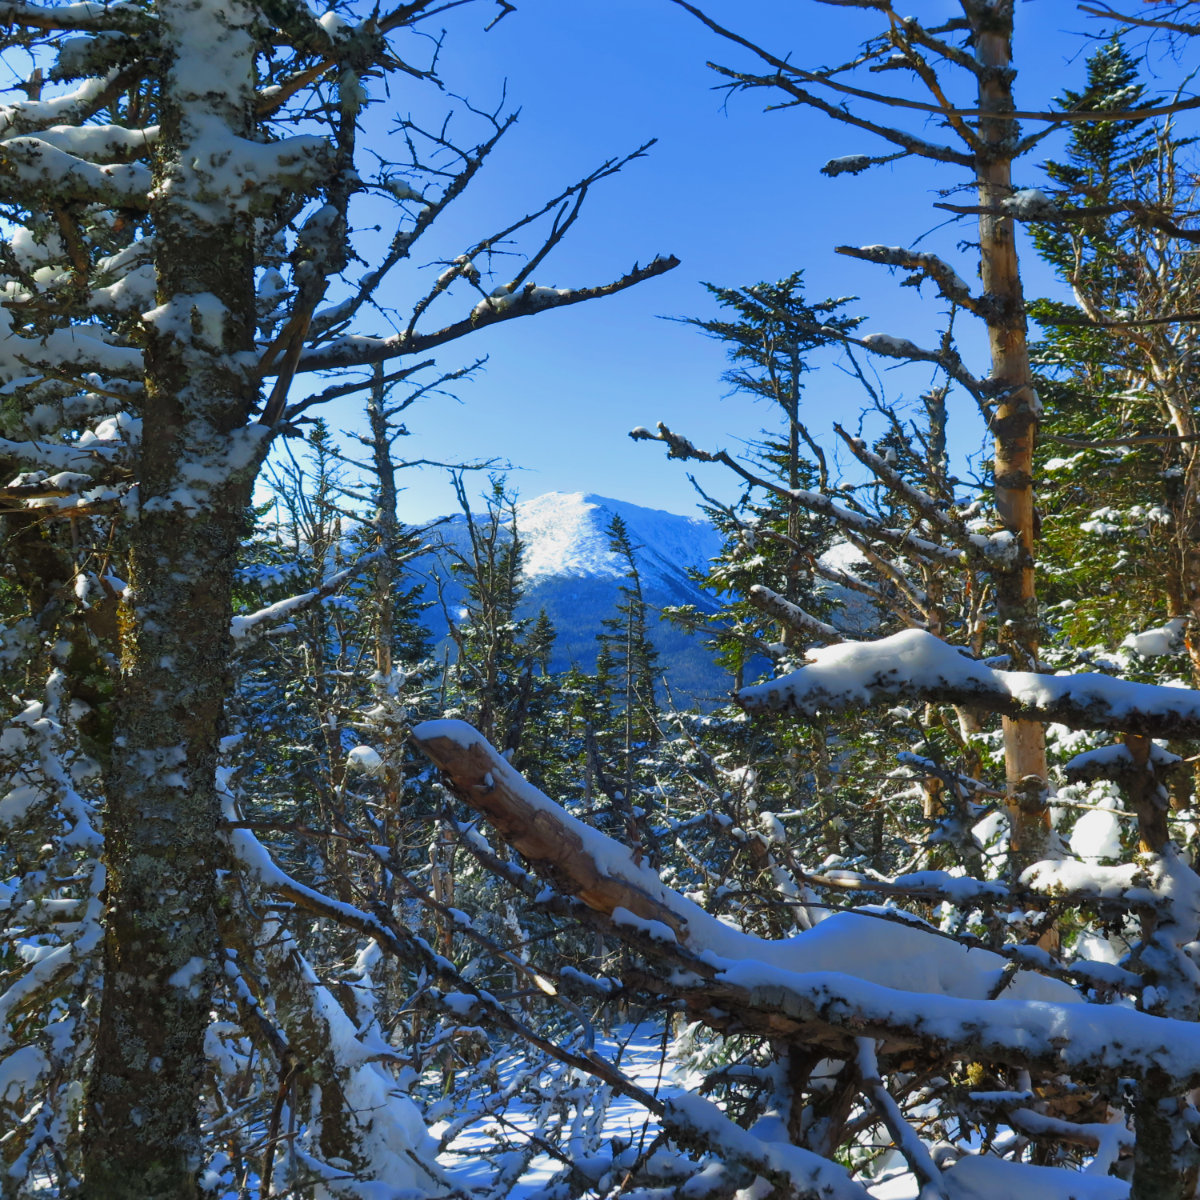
<point x="627" y="657"/>
<point x="1117" y="381"/>
<point x="537" y="725"/>
<point x="771" y="560"/>
<point x="771" y="333"/>
<point x="493" y="650"/>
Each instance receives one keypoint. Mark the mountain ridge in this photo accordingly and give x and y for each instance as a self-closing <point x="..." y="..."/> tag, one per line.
<point x="566" y="536"/>
<point x="570" y="571"/>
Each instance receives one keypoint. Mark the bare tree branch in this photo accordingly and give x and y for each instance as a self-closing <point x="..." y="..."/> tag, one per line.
<point x="362" y="351"/>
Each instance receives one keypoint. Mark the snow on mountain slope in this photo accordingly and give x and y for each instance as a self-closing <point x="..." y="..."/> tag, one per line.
<point x="565" y="535"/>
<point x="572" y="574"/>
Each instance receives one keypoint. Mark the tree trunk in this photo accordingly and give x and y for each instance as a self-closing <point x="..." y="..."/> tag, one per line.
<point x="386" y="523"/>
<point x="198" y="462"/>
<point x="1015" y="417"/>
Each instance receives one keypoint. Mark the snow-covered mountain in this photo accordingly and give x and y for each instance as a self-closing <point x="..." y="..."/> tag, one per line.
<point x="571" y="573"/>
<point x="565" y="535"/>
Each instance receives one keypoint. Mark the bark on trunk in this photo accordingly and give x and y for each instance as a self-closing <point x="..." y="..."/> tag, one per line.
<point x="1015" y="419"/>
<point x="198" y="461"/>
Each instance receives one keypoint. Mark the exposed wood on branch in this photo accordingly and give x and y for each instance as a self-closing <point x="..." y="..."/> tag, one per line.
<point x="479" y="777"/>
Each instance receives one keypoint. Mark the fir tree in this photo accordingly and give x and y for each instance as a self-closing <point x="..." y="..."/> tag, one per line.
<point x="497" y="650"/>
<point x="770" y="333"/>
<point x="628" y="655"/>
<point x="1115" y="398"/>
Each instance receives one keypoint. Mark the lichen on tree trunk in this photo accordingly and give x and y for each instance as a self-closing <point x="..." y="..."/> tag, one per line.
<point x="197" y="466"/>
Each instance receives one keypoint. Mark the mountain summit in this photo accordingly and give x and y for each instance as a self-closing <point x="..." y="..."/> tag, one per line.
<point x="570" y="571"/>
<point x="565" y="535"/>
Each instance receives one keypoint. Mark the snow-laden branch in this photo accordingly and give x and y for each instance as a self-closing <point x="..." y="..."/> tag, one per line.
<point x="889" y="346"/>
<point x="1162" y="883"/>
<point x="78" y="349"/>
<point x="34" y="171"/>
<point x="405" y="238"/>
<point x="1032" y="205"/>
<point x="914" y="665"/>
<point x="789" y="614"/>
<point x="951" y="285"/>
<point x="853" y="975"/>
<point x="694" y="1121"/>
<point x="561" y="849"/>
<point x="88" y="15"/>
<point x="566" y="207"/>
<point x="254" y="624"/>
<point x="915" y="1152"/>
<point x="71" y="108"/>
<point x="56" y="456"/>
<point x="1107" y="1140"/>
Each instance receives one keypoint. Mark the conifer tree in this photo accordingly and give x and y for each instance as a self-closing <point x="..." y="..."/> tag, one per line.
<point x="537" y="723"/>
<point x="1118" y="374"/>
<point x="494" y="650"/>
<point x="770" y="334"/>
<point x="771" y="592"/>
<point x="629" y="658"/>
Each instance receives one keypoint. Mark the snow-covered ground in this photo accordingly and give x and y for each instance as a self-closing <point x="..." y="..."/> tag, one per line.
<point x="635" y="1049"/>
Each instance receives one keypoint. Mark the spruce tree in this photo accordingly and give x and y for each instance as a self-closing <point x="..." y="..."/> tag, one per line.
<point x="770" y="332"/>
<point x="502" y="658"/>
<point x="1116" y="386"/>
<point x="629" y="657"/>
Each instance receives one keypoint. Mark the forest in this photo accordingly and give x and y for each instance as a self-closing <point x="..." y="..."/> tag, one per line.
<point x="295" y="903"/>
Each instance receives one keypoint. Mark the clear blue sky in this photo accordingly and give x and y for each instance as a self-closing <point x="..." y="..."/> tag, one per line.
<point x="734" y="192"/>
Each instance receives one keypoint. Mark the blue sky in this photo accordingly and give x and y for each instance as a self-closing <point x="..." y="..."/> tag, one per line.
<point x="734" y="192"/>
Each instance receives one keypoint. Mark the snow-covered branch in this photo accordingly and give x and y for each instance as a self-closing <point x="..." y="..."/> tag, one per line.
<point x="853" y="975"/>
<point x="914" y="665"/>
<point x="694" y="1121"/>
<point x="791" y="615"/>
<point x="888" y="346"/>
<point x="85" y="15"/>
<point x="34" y="169"/>
<point x="915" y="1152"/>
<point x="923" y="265"/>
<point x="244" y="627"/>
